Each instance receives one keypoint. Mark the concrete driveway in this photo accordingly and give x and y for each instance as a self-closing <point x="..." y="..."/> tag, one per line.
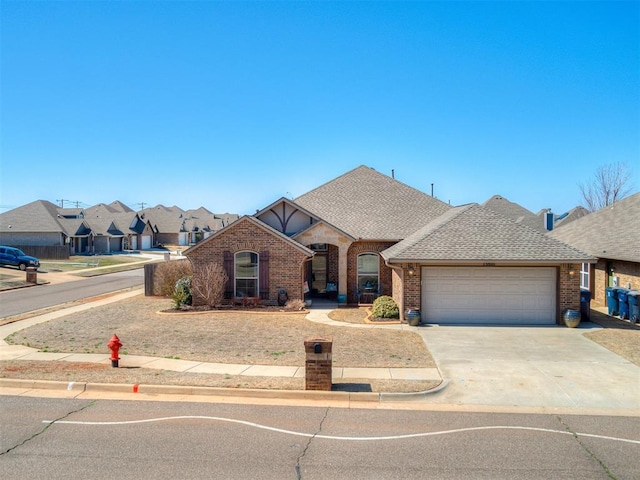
<point x="545" y="367"/>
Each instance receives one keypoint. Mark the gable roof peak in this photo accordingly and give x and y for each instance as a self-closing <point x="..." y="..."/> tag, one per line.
<point x="369" y="205"/>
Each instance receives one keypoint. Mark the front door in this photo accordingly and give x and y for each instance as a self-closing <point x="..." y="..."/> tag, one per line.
<point x="318" y="279"/>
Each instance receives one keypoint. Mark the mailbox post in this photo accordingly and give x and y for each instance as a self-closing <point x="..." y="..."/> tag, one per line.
<point x="318" y="363"/>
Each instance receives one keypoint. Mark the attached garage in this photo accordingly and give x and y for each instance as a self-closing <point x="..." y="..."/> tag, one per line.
<point x="146" y="242"/>
<point x="489" y="295"/>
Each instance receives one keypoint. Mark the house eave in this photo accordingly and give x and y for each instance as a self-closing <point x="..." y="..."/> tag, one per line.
<point x="487" y="262"/>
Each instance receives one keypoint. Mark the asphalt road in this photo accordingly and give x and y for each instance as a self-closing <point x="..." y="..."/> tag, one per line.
<point x="22" y="300"/>
<point x="157" y="440"/>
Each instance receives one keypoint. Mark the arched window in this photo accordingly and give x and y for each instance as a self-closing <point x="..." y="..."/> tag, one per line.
<point x="246" y="274"/>
<point x="368" y="272"/>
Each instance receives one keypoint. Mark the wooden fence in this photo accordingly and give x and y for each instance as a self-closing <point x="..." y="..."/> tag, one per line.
<point x="46" y="252"/>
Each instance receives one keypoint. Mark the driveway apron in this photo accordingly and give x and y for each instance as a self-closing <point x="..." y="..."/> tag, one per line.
<point x="530" y="366"/>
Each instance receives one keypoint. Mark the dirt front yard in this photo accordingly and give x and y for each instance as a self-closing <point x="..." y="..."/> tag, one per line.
<point x="221" y="337"/>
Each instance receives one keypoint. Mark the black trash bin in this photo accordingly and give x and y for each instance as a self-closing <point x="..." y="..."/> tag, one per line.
<point x="612" y="301"/>
<point x="283" y="297"/>
<point x="585" y="305"/>
<point x="623" y="304"/>
<point x="634" y="310"/>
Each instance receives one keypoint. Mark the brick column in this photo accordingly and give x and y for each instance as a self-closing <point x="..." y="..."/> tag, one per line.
<point x="318" y="363"/>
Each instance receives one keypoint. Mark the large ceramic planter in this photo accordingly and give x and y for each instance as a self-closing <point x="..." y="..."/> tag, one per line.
<point x="571" y="318"/>
<point x="413" y="317"/>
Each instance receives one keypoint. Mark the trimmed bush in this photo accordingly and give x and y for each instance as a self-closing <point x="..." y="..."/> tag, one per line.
<point x="385" y="307"/>
<point x="182" y="293"/>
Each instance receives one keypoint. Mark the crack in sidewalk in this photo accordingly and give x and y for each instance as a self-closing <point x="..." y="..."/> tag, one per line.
<point x="304" y="451"/>
<point x="586" y="449"/>
<point x="46" y="427"/>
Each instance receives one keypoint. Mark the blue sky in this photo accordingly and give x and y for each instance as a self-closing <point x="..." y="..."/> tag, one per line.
<point x="232" y="105"/>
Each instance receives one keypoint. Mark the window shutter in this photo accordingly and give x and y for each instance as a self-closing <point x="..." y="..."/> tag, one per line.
<point x="264" y="275"/>
<point x="229" y="270"/>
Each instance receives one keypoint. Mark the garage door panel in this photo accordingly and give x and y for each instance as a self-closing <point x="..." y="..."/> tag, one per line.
<point x="489" y="295"/>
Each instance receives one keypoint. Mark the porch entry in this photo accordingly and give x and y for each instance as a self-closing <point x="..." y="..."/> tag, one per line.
<point x="319" y="277"/>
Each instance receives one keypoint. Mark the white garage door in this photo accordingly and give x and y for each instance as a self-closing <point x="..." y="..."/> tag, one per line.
<point x="146" y="242"/>
<point x="489" y="295"/>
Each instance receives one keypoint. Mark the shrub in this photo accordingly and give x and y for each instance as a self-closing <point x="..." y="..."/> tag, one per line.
<point x="209" y="280"/>
<point x="385" y="307"/>
<point x="295" y="304"/>
<point x="182" y="293"/>
<point x="167" y="275"/>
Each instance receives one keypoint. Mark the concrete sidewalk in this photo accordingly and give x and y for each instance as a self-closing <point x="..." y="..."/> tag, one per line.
<point x="318" y="314"/>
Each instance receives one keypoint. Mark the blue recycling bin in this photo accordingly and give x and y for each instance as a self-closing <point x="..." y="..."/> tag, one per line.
<point x="634" y="311"/>
<point x="585" y="305"/>
<point x="612" y="301"/>
<point x="623" y="304"/>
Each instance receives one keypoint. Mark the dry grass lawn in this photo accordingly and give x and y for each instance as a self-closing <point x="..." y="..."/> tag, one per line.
<point x="225" y="337"/>
<point x="622" y="338"/>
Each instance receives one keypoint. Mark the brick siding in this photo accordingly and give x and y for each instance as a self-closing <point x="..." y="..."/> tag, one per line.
<point x="627" y="273"/>
<point x="356" y="249"/>
<point x="285" y="261"/>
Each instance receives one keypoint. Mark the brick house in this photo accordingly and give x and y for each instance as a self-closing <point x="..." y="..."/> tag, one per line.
<point x="365" y="234"/>
<point x="612" y="235"/>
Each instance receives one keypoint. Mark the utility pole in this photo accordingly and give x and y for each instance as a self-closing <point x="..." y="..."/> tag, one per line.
<point x="62" y="200"/>
<point x="142" y="204"/>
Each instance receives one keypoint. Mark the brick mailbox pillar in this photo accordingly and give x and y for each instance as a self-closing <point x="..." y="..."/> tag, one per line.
<point x="318" y="363"/>
<point x="32" y="275"/>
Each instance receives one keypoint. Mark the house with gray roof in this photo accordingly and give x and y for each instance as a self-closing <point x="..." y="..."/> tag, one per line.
<point x="174" y="226"/>
<point x="365" y="234"/>
<point x="612" y="235"/>
<point x="44" y="224"/>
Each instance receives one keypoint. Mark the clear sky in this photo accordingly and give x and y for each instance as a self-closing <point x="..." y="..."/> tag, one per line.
<point x="232" y="105"/>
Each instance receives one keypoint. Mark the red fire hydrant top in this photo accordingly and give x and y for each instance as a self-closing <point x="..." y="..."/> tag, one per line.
<point x="114" y="345"/>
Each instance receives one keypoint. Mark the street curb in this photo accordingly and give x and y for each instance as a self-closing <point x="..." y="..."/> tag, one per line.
<point x="214" y="391"/>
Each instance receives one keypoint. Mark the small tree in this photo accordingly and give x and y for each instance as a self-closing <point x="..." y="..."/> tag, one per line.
<point x="609" y="184"/>
<point x="209" y="280"/>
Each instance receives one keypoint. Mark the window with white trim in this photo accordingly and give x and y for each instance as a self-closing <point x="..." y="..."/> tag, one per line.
<point x="584" y="276"/>
<point x="246" y="274"/>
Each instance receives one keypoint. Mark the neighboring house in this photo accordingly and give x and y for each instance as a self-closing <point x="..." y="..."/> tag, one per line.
<point x="544" y="221"/>
<point x="42" y="223"/>
<point x="365" y="234"/>
<point x="115" y="227"/>
<point x="517" y="213"/>
<point x="104" y="228"/>
<point x="612" y="235"/>
<point x="568" y="217"/>
<point x="174" y="226"/>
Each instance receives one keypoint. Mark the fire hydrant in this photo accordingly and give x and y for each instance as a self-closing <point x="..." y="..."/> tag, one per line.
<point x="114" y="345"/>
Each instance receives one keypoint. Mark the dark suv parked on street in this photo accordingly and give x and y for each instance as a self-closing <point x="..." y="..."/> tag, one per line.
<point x="17" y="258"/>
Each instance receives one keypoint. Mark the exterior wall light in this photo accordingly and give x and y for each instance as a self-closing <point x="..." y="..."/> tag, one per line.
<point x="411" y="270"/>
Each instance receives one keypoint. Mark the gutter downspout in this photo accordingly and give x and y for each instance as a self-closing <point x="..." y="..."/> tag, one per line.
<point x="392" y="267"/>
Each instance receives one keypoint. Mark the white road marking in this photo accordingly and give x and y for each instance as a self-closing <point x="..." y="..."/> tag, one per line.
<point x="334" y="437"/>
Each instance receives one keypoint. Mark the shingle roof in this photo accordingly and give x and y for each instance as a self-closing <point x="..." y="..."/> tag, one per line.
<point x="515" y="212"/>
<point x="369" y="205"/>
<point x="174" y="219"/>
<point x="258" y="223"/>
<point x="475" y="233"/>
<point x="38" y="216"/>
<point x="573" y="214"/>
<point x="612" y="232"/>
